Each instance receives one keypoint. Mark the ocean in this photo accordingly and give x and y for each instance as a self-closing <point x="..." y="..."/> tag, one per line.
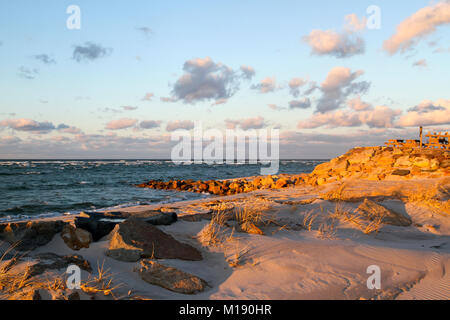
<point x="42" y="188"/>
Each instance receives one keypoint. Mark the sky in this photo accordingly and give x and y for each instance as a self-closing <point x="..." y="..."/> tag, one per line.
<point x="330" y="75"/>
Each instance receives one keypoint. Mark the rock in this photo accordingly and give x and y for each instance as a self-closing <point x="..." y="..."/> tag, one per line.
<point x="267" y="182"/>
<point x="421" y="162"/>
<point x="52" y="261"/>
<point x="98" y="225"/>
<point x="29" y="235"/>
<point x="373" y="210"/>
<point x="170" y="278"/>
<point x="361" y="157"/>
<point x="164" y="218"/>
<point x="322" y="169"/>
<point x="76" y="238"/>
<point x="281" y="183"/>
<point x="135" y="239"/>
<point x="401" y="172"/>
<point x="386" y="161"/>
<point x="403" y="162"/>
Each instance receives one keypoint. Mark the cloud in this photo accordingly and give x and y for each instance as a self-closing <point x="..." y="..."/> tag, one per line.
<point x="295" y="85"/>
<point x="149" y="124"/>
<point x="28" y="73"/>
<point x="246" y="124"/>
<point x="247" y="72"/>
<point x="68" y="129"/>
<point x="339" y="45"/>
<point x="378" y="117"/>
<point x="89" y="52"/>
<point x="422" y="23"/>
<point x="28" y="125"/>
<point x="203" y="79"/>
<point x="275" y="107"/>
<point x="427" y="113"/>
<point x="358" y="105"/>
<point x="268" y="84"/>
<point x="145" y="30"/>
<point x="304" y="103"/>
<point x="45" y="59"/>
<point x="338" y="86"/>
<point x="168" y="99"/>
<point x="420" y="63"/>
<point x="120" y="124"/>
<point x="129" y="108"/>
<point x="148" y="96"/>
<point x="179" y="124"/>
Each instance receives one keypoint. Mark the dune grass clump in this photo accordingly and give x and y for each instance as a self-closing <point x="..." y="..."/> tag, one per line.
<point x="214" y="233"/>
<point x="429" y="197"/>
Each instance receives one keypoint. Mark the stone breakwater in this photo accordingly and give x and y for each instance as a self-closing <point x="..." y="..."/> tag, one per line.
<point x="367" y="163"/>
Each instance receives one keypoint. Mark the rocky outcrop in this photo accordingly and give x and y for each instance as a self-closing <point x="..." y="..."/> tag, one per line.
<point x="27" y="236"/>
<point x="227" y="187"/>
<point x="370" y="163"/>
<point x="372" y="210"/>
<point x="170" y="278"/>
<point x="383" y="163"/>
<point x="135" y="239"/>
<point x="76" y="238"/>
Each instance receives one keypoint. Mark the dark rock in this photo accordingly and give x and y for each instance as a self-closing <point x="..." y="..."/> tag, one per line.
<point x="52" y="261"/>
<point x="27" y="236"/>
<point x="401" y="172"/>
<point x="98" y="226"/>
<point x="164" y="218"/>
<point x="135" y="239"/>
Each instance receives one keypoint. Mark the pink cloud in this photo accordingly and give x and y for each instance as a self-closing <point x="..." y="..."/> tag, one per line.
<point x="417" y="26"/>
<point x="123" y="123"/>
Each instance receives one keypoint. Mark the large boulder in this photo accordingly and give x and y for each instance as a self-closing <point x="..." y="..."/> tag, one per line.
<point x="98" y="224"/>
<point x="76" y="238"/>
<point x="27" y="236"/>
<point x="372" y="210"/>
<point x="52" y="261"/>
<point x="163" y="218"/>
<point x="135" y="239"/>
<point x="170" y="278"/>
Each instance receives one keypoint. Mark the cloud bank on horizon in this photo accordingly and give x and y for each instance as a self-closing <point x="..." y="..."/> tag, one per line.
<point x="329" y="85"/>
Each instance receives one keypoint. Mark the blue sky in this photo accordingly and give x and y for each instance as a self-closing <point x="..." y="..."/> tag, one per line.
<point x="271" y="37"/>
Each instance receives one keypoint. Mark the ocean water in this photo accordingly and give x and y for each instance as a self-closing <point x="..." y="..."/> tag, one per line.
<point x="57" y="187"/>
